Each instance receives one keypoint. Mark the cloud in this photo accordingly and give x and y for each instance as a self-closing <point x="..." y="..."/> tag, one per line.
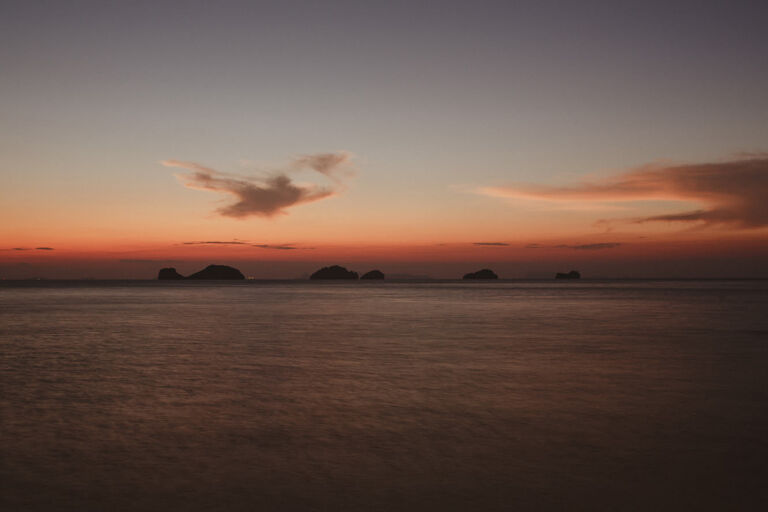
<point x="215" y="242"/>
<point x="578" y="247"/>
<point x="273" y="193"/>
<point x="591" y="247"/>
<point x="29" y="249"/>
<point x="732" y="192"/>
<point x="277" y="247"/>
<point x="495" y="244"/>
<point x="130" y="260"/>
<point x="329" y="164"/>
<point x="280" y="247"/>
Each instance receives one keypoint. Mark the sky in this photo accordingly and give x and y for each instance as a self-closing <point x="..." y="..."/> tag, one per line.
<point x="622" y="139"/>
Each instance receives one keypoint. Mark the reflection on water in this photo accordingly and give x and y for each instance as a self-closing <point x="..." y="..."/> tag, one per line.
<point x="384" y="396"/>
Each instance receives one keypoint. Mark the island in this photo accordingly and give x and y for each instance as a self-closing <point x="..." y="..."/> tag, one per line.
<point x="482" y="274"/>
<point x="373" y="274"/>
<point x="334" y="272"/>
<point x="573" y="274"/>
<point x="217" y="272"/>
<point x="169" y="273"/>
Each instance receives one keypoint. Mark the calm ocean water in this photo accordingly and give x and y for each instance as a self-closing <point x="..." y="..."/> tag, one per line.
<point x="635" y="395"/>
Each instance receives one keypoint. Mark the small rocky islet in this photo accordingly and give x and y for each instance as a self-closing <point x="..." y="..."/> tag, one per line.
<point x="170" y="274"/>
<point x="373" y="274"/>
<point x="334" y="272"/>
<point x="214" y="272"/>
<point x="485" y="273"/>
<point x="339" y="272"/>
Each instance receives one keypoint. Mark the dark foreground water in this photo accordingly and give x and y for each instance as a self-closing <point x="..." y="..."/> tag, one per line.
<point x="384" y="396"/>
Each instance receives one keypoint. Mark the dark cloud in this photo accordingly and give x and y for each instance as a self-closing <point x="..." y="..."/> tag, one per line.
<point x="279" y="247"/>
<point x="216" y="242"/>
<point x="273" y="194"/>
<point x="732" y="192"/>
<point x="129" y="260"/>
<point x="276" y="247"/>
<point x="579" y="247"/>
<point x="495" y="244"/>
<point x="591" y="247"/>
<point x="28" y="249"/>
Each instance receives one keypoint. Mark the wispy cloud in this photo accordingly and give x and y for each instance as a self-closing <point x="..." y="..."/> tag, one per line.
<point x="29" y="249"/>
<point x="732" y="192"/>
<point x="274" y="192"/>
<point x="133" y="260"/>
<point x="215" y="242"/>
<point x="590" y="247"/>
<point x="578" y="247"/>
<point x="276" y="247"/>
<point x="494" y="244"/>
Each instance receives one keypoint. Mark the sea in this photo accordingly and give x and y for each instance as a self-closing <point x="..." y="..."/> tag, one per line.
<point x="433" y="395"/>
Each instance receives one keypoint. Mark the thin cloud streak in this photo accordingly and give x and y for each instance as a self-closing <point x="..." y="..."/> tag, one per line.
<point x="215" y="242"/>
<point x="134" y="260"/>
<point x="731" y="192"/>
<point x="276" y="247"/>
<point x="492" y="244"/>
<point x="279" y="247"/>
<point x="578" y="247"/>
<point x="271" y="195"/>
<point x="591" y="247"/>
<point x="29" y="249"/>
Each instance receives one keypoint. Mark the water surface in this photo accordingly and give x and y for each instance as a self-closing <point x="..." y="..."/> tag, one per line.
<point x="630" y="395"/>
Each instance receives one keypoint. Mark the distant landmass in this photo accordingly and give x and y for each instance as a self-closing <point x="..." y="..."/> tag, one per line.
<point x="482" y="274"/>
<point x="334" y="272"/>
<point x="210" y="272"/>
<point x="573" y="274"/>
<point x="373" y="274"/>
<point x="169" y="273"/>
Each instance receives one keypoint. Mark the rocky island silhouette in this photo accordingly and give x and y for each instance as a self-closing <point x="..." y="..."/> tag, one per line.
<point x="218" y="272"/>
<point x="169" y="274"/>
<point x="334" y="272"/>
<point x="573" y="274"/>
<point x="485" y="273"/>
<point x="373" y="274"/>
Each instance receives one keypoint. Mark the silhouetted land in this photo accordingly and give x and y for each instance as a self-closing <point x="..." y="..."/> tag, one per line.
<point x="209" y="272"/>
<point x="169" y="273"/>
<point x="481" y="274"/>
<point x="334" y="272"/>
<point x="573" y="274"/>
<point x="373" y="274"/>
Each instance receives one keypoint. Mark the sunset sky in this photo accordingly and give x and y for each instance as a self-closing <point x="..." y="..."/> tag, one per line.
<point x="623" y="139"/>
